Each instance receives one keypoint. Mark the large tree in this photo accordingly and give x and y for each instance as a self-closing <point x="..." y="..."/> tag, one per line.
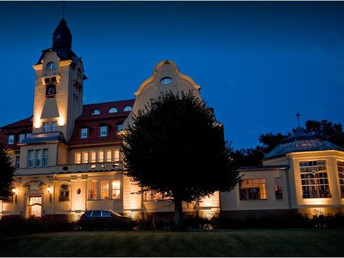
<point x="6" y="174"/>
<point x="175" y="146"/>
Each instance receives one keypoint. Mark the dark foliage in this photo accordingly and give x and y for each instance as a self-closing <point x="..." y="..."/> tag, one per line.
<point x="176" y="147"/>
<point x="6" y="174"/>
<point x="15" y="225"/>
<point x="288" y="219"/>
<point x="327" y="130"/>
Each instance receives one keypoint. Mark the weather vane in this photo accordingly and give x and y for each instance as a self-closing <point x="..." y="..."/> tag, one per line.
<point x="63" y="9"/>
<point x="298" y="118"/>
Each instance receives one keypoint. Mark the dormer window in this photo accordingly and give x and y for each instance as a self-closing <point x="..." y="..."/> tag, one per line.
<point x="95" y="112"/>
<point x="103" y="131"/>
<point x="127" y="108"/>
<point x="113" y="110"/>
<point x="84" y="133"/>
<point x="50" y="66"/>
<point x="10" y="139"/>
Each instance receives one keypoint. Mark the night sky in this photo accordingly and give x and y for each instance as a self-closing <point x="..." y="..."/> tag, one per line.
<point x="258" y="63"/>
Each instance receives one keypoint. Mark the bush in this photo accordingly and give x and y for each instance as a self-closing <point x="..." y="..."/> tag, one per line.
<point x="289" y="219"/>
<point x="15" y="225"/>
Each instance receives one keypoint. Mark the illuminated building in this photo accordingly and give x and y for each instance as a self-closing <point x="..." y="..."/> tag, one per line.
<point x="68" y="155"/>
<point x="303" y="172"/>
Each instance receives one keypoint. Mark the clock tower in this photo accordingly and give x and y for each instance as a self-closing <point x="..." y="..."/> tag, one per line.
<point x="59" y="86"/>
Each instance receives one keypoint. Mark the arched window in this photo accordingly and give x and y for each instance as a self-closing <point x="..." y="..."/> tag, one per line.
<point x="50" y="66"/>
<point x="127" y="108"/>
<point x="95" y="112"/>
<point x="113" y="110"/>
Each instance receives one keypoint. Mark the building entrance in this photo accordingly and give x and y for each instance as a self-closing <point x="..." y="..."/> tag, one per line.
<point x="35" y="206"/>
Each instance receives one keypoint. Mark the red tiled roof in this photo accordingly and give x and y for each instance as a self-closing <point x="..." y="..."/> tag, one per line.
<point x="93" y="122"/>
<point x="16" y="128"/>
<point x="85" y="120"/>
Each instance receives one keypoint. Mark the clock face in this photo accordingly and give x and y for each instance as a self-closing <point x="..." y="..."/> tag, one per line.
<point x="51" y="90"/>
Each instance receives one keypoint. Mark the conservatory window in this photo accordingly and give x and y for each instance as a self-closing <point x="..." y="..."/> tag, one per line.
<point x="314" y="179"/>
<point x="340" y="166"/>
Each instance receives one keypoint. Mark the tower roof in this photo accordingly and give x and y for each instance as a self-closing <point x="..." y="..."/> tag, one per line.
<point x="62" y="37"/>
<point x="62" y="43"/>
<point x="301" y="141"/>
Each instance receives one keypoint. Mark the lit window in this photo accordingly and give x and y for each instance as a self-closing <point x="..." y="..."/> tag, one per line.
<point x="93" y="157"/>
<point x="100" y="156"/>
<point x="116" y="155"/>
<point x="77" y="158"/>
<point x="50" y="66"/>
<point x="113" y="110"/>
<point x="92" y="190"/>
<point x="84" y="157"/>
<point x="95" y="112"/>
<point x="64" y="193"/>
<point x="108" y="156"/>
<point x="340" y="166"/>
<point x="314" y="179"/>
<point x="104" y="190"/>
<point x="38" y="158"/>
<point x="45" y="157"/>
<point x="103" y="131"/>
<point x="156" y="196"/>
<point x="278" y="187"/>
<point x="30" y="158"/>
<point x="84" y="133"/>
<point x="253" y="189"/>
<point x="10" y="139"/>
<point x="127" y="108"/>
<point x="116" y="189"/>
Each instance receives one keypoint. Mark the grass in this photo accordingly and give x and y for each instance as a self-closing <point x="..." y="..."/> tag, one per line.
<point x="298" y="242"/>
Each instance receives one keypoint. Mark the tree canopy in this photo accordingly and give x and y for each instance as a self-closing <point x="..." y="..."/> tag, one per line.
<point x="6" y="174"/>
<point x="175" y="146"/>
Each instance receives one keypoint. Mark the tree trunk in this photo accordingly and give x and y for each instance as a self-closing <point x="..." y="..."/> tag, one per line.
<point x="178" y="212"/>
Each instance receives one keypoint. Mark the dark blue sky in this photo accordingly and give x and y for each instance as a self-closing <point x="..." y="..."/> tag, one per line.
<point x="258" y="63"/>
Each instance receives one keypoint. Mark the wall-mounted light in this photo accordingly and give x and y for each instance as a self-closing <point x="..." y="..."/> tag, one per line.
<point x="14" y="191"/>
<point x="49" y="191"/>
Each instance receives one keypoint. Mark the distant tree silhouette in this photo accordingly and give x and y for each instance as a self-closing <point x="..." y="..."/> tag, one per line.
<point x="327" y="130"/>
<point x="253" y="156"/>
<point x="176" y="147"/>
<point x="6" y="174"/>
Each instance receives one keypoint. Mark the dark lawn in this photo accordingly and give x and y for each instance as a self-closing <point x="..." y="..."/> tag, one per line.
<point x="298" y="242"/>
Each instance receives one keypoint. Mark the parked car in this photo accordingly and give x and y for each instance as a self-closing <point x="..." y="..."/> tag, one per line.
<point x="104" y="220"/>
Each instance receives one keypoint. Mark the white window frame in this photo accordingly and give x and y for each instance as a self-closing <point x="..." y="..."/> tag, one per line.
<point x="30" y="158"/>
<point x="38" y="158"/>
<point x="45" y="161"/>
<point x="103" y="131"/>
<point x="10" y="139"/>
<point x="84" y="133"/>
